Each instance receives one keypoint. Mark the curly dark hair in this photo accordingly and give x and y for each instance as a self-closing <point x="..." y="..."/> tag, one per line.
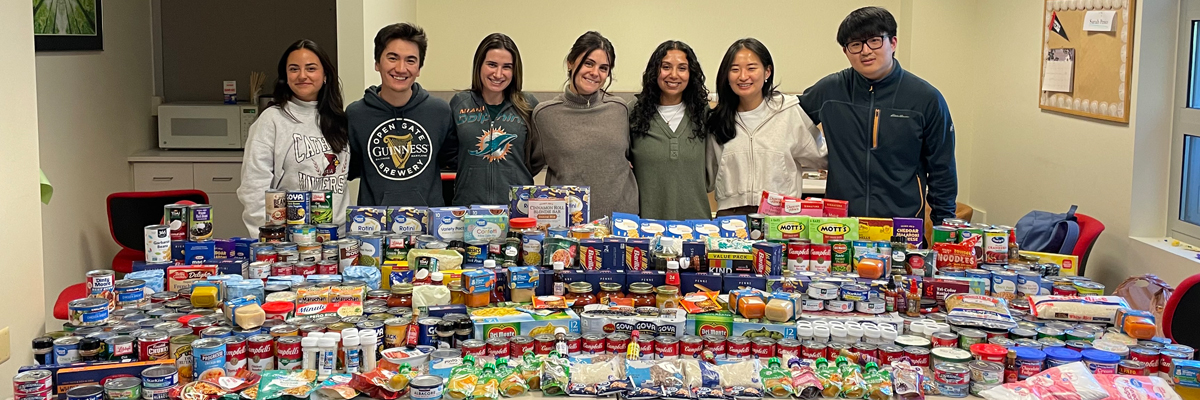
<point x="695" y="95"/>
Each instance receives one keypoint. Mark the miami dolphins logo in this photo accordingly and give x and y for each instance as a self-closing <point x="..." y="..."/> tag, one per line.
<point x="494" y="144"/>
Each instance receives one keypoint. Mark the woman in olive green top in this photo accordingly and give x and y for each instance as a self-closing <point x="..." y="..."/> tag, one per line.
<point x="674" y="158"/>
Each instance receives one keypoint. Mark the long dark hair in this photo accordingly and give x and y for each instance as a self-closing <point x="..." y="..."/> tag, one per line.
<point x="587" y="43"/>
<point x="695" y="95"/>
<point x="331" y="116"/>
<point x="513" y="91"/>
<point x="721" y="120"/>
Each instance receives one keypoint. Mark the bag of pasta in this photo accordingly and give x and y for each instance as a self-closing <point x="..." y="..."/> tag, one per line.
<point x="853" y="384"/>
<point x="556" y="374"/>
<point x="511" y="382"/>
<point x="805" y="383"/>
<point x="777" y="381"/>
<point x="830" y="377"/>
<point x="488" y="386"/>
<point x="703" y="378"/>
<point x="641" y="380"/>
<point x="879" y="382"/>
<point x="741" y="380"/>
<point x="594" y="378"/>
<point x="463" y="379"/>
<point x="668" y="375"/>
<point x="531" y="370"/>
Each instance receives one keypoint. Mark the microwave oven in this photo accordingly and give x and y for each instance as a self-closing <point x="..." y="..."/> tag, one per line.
<point x="203" y="125"/>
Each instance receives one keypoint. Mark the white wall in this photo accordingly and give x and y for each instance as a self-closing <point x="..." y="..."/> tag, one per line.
<point x="94" y="111"/>
<point x="21" y="235"/>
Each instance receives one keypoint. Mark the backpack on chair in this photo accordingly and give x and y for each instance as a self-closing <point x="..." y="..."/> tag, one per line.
<point x="1146" y="293"/>
<point x="1048" y="232"/>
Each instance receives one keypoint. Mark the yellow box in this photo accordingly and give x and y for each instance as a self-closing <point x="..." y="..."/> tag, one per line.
<point x="1067" y="264"/>
<point x="875" y="229"/>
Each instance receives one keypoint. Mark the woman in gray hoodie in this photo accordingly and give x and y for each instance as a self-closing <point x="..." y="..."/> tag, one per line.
<point x="582" y="136"/>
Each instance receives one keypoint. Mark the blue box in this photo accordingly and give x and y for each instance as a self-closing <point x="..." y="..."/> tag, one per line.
<point x="230" y="266"/>
<point x="696" y="255"/>
<point x="613" y="258"/>
<point x="405" y="219"/>
<point x="688" y="281"/>
<point x="199" y="252"/>
<point x="145" y="266"/>
<point x="177" y="248"/>
<point x="595" y="277"/>
<point x="737" y="281"/>
<point x="241" y="247"/>
<point x="573" y="275"/>
<point x="446" y="223"/>
<point x="654" y="278"/>
<point x="442" y="310"/>
<point x="547" y="279"/>
<point x="795" y="284"/>
<point x="769" y="258"/>
<point x="680" y="229"/>
<point x="365" y="219"/>
<point x="478" y="209"/>
<point x="524" y="278"/>
<point x="518" y="201"/>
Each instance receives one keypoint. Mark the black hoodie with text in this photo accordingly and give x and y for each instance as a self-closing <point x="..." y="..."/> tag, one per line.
<point x="491" y="149"/>
<point x="399" y="151"/>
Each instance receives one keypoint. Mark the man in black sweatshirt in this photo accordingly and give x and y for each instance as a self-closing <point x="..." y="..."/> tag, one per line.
<point x="890" y="137"/>
<point x="400" y="137"/>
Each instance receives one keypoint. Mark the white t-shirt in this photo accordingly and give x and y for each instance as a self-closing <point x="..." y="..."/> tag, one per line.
<point x="753" y="118"/>
<point x="672" y="114"/>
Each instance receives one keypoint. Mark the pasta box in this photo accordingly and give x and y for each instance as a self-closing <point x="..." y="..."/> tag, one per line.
<point x="595" y="277"/>
<point x="689" y="280"/>
<point x="939" y="288"/>
<point x="365" y="219"/>
<point x="875" y="229"/>
<point x="792" y="284"/>
<point x="518" y="200"/>
<point x="680" y="229"/>
<point x="786" y="227"/>
<point x="654" y="278"/>
<point x="724" y="262"/>
<point x="446" y="223"/>
<point x="579" y="200"/>
<point x="736" y="281"/>
<point x="483" y="209"/>
<point x="1068" y="265"/>
<point x="913" y="230"/>
<point x="693" y="255"/>
<point x="199" y="252"/>
<point x="613" y="254"/>
<point x="504" y="322"/>
<point x="408" y="219"/>
<point x="768" y="258"/>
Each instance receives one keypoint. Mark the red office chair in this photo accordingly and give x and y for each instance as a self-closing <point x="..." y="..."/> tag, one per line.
<point x="128" y="215"/>
<point x="1089" y="229"/>
<point x="1185" y="297"/>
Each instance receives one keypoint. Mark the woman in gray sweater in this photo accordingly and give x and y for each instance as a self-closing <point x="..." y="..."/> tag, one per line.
<point x="582" y="135"/>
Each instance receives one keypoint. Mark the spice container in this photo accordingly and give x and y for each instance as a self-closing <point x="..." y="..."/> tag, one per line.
<point x="642" y="294"/>
<point x="668" y="297"/>
<point x="581" y="293"/>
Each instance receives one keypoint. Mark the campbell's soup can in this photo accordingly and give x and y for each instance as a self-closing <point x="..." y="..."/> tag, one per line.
<point x="666" y="346"/>
<point x="691" y="346"/>
<point x="260" y="350"/>
<point x="593" y="343"/>
<point x="574" y="342"/>
<point x="543" y="344"/>
<point x="799" y="254"/>
<point x="288" y="354"/>
<point x="474" y="347"/>
<point x="519" y="345"/>
<point x="820" y="257"/>
<point x="235" y="355"/>
<point x="716" y="345"/>
<point x="788" y="348"/>
<point x="646" y="346"/>
<point x="762" y="347"/>
<point x="812" y="350"/>
<point x="617" y="342"/>
<point x="498" y="347"/>
<point x="1146" y="355"/>
<point x="283" y="269"/>
<point x="889" y="352"/>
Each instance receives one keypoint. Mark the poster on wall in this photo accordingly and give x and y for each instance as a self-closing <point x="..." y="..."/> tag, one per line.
<point x="1087" y="58"/>
<point x="67" y="25"/>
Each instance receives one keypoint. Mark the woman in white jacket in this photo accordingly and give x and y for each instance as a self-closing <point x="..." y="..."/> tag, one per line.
<point x="766" y="137"/>
<point x="300" y="141"/>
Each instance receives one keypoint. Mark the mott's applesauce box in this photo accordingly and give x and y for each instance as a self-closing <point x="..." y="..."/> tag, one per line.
<point x="913" y="230"/>
<point x="518" y="200"/>
<point x="408" y="219"/>
<point x="822" y="230"/>
<point x="1067" y="264"/>
<point x="506" y="322"/>
<point x="786" y="227"/>
<point x="875" y="229"/>
<point x="365" y="219"/>
<point x="485" y="227"/>
<point x="446" y="223"/>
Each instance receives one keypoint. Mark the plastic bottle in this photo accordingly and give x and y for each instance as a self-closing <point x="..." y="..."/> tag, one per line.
<point x="310" y="345"/>
<point x="327" y="360"/>
<point x="821" y="333"/>
<point x="560" y="340"/>
<point x="368" y="342"/>
<point x="560" y="287"/>
<point x="854" y="333"/>
<point x="1010" y="367"/>
<point x="351" y="353"/>
<point x="673" y="273"/>
<point x="889" y="295"/>
<point x="500" y="289"/>
<point x="436" y="278"/>
<point x="337" y="347"/>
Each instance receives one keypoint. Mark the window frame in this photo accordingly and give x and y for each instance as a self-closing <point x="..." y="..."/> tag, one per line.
<point x="1186" y="118"/>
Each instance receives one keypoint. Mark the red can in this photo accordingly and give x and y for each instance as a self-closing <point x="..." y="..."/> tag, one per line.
<point x="889" y="352"/>
<point x="519" y="345"/>
<point x="788" y="348"/>
<point x="762" y="347"/>
<point x="282" y="269"/>
<point x="989" y="352"/>
<point x="715" y="345"/>
<point x="737" y="347"/>
<point x="476" y="347"/>
<point x="574" y="343"/>
<point x="691" y="346"/>
<point x="833" y="350"/>
<point x="666" y="346"/>
<point x="327" y="267"/>
<point x="918" y="355"/>
<point x="261" y="349"/>
<point x="1166" y="360"/>
<point x="867" y="349"/>
<point x="1064" y="290"/>
<point x="617" y="342"/>
<point x="267" y="255"/>
<point x="798" y="254"/>
<point x="593" y="343"/>
<point x="287" y="353"/>
<point x="305" y="268"/>
<point x="235" y="355"/>
<point x="1146" y="355"/>
<point x="1132" y="367"/>
<point x="819" y="257"/>
<point x="199" y="324"/>
<point x="497" y="347"/>
<point x="543" y="344"/>
<point x="154" y="345"/>
<point x="812" y="350"/>
<point x="646" y="345"/>
<point x="944" y="339"/>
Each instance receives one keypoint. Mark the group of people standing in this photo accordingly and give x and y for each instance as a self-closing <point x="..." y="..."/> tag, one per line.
<point x="885" y="135"/>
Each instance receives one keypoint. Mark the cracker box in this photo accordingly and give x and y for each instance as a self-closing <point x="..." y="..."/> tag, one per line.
<point x="739" y="281"/>
<point x="875" y="229"/>
<point x="1068" y="265"/>
<point x="405" y="219"/>
<point x="733" y="226"/>
<point x="625" y="225"/>
<point x="689" y="280"/>
<point x="654" y="278"/>
<point x="768" y="258"/>
<point x="446" y="223"/>
<point x="786" y="227"/>
<point x="484" y="227"/>
<point x="518" y="200"/>
<point x="477" y="209"/>
<point x="365" y="219"/>
<point x="704" y="227"/>
<point x="504" y="322"/>
<point x="822" y="230"/>
<point x="680" y="229"/>
<point x="651" y="228"/>
<point x="913" y="230"/>
<point x="724" y="262"/>
<point x="549" y="212"/>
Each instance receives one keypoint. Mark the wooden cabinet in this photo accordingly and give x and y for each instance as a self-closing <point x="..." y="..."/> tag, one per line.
<point x="217" y="173"/>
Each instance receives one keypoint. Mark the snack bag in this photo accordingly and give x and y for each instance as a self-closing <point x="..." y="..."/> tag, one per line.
<point x="338" y="387"/>
<point x="830" y="377"/>
<point x="488" y="386"/>
<point x="908" y="380"/>
<point x="741" y="380"/>
<point x="511" y="382"/>
<point x="399" y="382"/>
<point x="776" y="380"/>
<point x="277" y="383"/>
<point x="853" y="384"/>
<point x="805" y="383"/>
<point x="463" y="379"/>
<point x="879" y="383"/>
<point x="556" y="372"/>
<point x="531" y="370"/>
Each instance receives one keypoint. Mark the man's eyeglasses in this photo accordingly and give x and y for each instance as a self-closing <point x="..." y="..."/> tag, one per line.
<point x="856" y="47"/>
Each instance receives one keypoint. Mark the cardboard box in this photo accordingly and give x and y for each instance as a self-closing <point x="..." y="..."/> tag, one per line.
<point x="1068" y="265"/>
<point x="736" y="281"/>
<point x="408" y="219"/>
<point x="481" y="209"/>
<point x="655" y="278"/>
<point x="724" y="323"/>
<point x="786" y="227"/>
<point x="689" y="280"/>
<point x="524" y="324"/>
<point x="578" y="200"/>
<point x="179" y="278"/>
<point x="550" y="212"/>
<point x="484" y="227"/>
<point x="913" y="230"/>
<point x="822" y="230"/>
<point x="199" y="252"/>
<point x="680" y="229"/>
<point x="518" y="200"/>
<point x="625" y="225"/>
<point x="875" y="229"/>
<point x="768" y="258"/>
<point x="446" y="223"/>
<point x="724" y="262"/>
<point x="365" y="219"/>
<point x="442" y="310"/>
<point x="595" y="277"/>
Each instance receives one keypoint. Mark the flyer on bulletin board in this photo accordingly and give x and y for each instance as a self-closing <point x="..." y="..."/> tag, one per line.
<point x="1059" y="71"/>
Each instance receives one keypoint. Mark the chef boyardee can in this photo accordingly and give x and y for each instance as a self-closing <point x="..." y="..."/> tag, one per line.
<point x="298" y="207"/>
<point x="158" y="243"/>
<point x="87" y="392"/>
<point x="208" y="358"/>
<point x="321" y="207"/>
<point x="200" y="222"/>
<point x="124" y="388"/>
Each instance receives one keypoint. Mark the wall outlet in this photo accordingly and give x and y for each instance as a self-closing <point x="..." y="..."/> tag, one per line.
<point x="5" y="346"/>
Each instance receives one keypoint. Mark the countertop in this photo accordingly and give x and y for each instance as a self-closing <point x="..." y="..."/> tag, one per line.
<point x="186" y="156"/>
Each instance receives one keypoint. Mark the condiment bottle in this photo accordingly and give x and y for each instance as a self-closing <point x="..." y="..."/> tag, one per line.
<point x="327" y="359"/>
<point x="500" y="290"/>
<point x="351" y="353"/>
<point x="914" y="300"/>
<point x="673" y="273"/>
<point x="889" y="295"/>
<point x="560" y="288"/>
<point x="899" y="254"/>
<point x="368" y="342"/>
<point x="436" y="278"/>
<point x="1010" y="367"/>
<point x="311" y="348"/>
<point x="445" y="335"/>
<point x="560" y="340"/>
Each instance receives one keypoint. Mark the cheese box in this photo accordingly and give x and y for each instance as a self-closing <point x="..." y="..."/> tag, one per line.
<point x="733" y="226"/>
<point x="704" y="227"/>
<point x="680" y="229"/>
<point x="875" y="229"/>
<point x="413" y="220"/>
<point x="446" y="223"/>
<point x="516" y="323"/>
<point x="625" y="225"/>
<point x="913" y="230"/>
<point x="652" y="227"/>
<point x="1068" y="265"/>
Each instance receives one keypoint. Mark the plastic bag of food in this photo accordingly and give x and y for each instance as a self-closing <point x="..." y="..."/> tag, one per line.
<point x="1073" y="308"/>
<point x="879" y="382"/>
<point x="276" y="383"/>
<point x="377" y="384"/>
<point x="511" y="382"/>
<point x="1065" y="382"/>
<point x="1132" y="387"/>
<point x="979" y="311"/>
<point x="741" y="379"/>
<point x="668" y="375"/>
<point x="199" y="390"/>
<point x="805" y="383"/>
<point x="556" y="375"/>
<point x="531" y="370"/>
<point x="399" y="382"/>
<point x="488" y="385"/>
<point x="591" y="378"/>
<point x="703" y="378"/>
<point x="777" y="380"/>
<point x="641" y="380"/>
<point x="908" y="380"/>
<point x="830" y="377"/>
<point x="463" y="379"/>
<point x="853" y="384"/>
<point x="338" y="387"/>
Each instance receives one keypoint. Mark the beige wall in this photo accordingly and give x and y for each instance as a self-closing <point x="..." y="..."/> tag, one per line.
<point x="20" y="211"/>
<point x="94" y="111"/>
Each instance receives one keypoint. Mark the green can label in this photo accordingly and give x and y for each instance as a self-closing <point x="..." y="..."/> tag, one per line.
<point x="841" y="255"/>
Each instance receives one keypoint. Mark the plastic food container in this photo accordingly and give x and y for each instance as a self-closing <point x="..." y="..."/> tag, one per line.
<point x="1100" y="361"/>
<point x="1056" y="356"/>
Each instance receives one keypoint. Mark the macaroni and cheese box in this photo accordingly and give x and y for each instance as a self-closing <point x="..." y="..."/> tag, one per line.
<point x="875" y="229"/>
<point x="913" y="230"/>
<point x="680" y="229"/>
<point x="408" y="219"/>
<point x="733" y="226"/>
<point x="652" y="227"/>
<point x="704" y="227"/>
<point x="446" y="223"/>
<point x="1068" y="265"/>
<point x="625" y="225"/>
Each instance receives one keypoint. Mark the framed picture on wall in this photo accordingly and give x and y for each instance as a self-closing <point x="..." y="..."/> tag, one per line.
<point x="67" y="25"/>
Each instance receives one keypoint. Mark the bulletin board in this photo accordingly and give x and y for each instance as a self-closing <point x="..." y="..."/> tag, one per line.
<point x="1102" y="60"/>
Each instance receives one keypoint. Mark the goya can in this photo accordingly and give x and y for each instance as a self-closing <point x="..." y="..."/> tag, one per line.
<point x="320" y="207"/>
<point x="200" y="222"/>
<point x="298" y="207"/>
<point x="158" y="243"/>
<point x="208" y="358"/>
<point x="175" y="216"/>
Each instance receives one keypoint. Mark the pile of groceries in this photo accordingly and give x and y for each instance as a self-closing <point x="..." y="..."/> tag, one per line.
<point x="494" y="301"/>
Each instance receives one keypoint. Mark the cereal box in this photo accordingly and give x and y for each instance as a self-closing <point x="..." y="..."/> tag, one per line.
<point x="704" y="227"/>
<point x="518" y="200"/>
<point x="548" y="211"/>
<point x="822" y="230"/>
<point x="408" y="219"/>
<point x="446" y="223"/>
<point x="365" y="219"/>
<point x="786" y="227"/>
<point x="479" y="209"/>
<point x="913" y="230"/>
<point x="484" y="227"/>
<point x="733" y="226"/>
<point x="652" y="227"/>
<point x="875" y="229"/>
<point x="1068" y="265"/>
<point x="680" y="229"/>
<point x="625" y="225"/>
